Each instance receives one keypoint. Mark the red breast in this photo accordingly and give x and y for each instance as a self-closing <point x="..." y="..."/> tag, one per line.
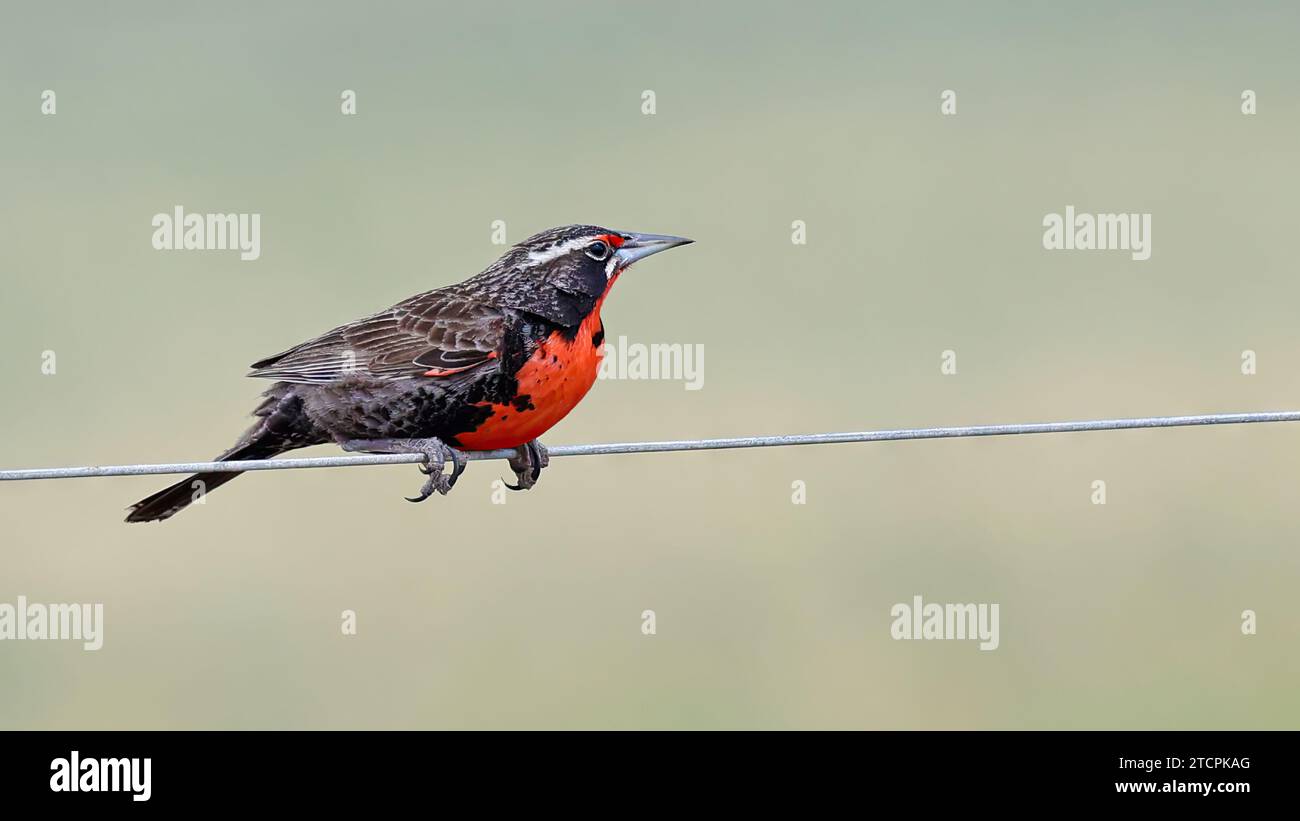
<point x="551" y="383"/>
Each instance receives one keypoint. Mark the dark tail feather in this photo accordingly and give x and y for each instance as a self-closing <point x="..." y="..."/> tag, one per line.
<point x="168" y="501"/>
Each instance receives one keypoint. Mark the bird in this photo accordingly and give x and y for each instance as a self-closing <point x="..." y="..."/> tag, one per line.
<point x="489" y="363"/>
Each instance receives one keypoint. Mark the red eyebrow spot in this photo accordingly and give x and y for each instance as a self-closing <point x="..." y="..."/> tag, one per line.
<point x="613" y="239"/>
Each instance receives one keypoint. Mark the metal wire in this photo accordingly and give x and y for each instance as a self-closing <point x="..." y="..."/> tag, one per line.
<point x="665" y="447"/>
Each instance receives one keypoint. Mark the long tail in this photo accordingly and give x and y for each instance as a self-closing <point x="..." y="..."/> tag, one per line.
<point x="168" y="501"/>
<point x="281" y="427"/>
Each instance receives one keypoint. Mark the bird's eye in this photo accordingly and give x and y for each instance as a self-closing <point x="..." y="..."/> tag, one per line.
<point x="598" y="250"/>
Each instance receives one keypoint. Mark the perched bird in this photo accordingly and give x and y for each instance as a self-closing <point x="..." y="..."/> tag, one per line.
<point x="492" y="362"/>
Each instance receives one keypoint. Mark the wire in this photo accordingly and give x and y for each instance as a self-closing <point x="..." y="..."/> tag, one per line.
<point x="669" y="446"/>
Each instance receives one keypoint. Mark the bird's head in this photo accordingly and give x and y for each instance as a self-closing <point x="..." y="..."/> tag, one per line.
<point x="585" y="259"/>
<point x="563" y="273"/>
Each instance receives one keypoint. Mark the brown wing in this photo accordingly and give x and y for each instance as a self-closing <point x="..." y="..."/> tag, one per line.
<point x="433" y="334"/>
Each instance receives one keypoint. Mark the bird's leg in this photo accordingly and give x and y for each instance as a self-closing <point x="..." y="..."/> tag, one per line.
<point x="527" y="463"/>
<point x="435" y="452"/>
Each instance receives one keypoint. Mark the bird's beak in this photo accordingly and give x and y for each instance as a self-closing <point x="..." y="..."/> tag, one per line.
<point x="639" y="246"/>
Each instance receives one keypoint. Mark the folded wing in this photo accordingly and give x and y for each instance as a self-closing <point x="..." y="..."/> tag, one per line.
<point x="431" y="335"/>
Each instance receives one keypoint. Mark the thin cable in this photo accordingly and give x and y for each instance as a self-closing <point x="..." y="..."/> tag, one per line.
<point x="665" y="447"/>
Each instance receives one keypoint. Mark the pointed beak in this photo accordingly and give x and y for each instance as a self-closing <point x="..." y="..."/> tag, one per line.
<point x="640" y="246"/>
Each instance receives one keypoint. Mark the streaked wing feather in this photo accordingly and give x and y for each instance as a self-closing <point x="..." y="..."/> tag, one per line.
<point x="422" y="336"/>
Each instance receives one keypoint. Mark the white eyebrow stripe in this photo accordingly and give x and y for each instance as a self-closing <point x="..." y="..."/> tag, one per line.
<point x="554" y="252"/>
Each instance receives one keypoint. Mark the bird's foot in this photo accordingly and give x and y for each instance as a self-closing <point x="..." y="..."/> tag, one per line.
<point x="436" y="454"/>
<point x="527" y="464"/>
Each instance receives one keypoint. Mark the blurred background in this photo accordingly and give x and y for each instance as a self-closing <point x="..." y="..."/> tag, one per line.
<point x="924" y="234"/>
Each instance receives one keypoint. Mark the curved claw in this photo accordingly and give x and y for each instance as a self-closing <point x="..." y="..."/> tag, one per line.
<point x="436" y="453"/>
<point x="527" y="464"/>
<point x="458" y="463"/>
<point x="427" y="490"/>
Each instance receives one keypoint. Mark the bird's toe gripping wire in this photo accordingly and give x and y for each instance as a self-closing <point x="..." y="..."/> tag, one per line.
<point x="434" y="459"/>
<point x="527" y="463"/>
<point x="436" y="454"/>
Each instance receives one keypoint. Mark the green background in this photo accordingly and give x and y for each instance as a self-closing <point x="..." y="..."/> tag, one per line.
<point x="924" y="234"/>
